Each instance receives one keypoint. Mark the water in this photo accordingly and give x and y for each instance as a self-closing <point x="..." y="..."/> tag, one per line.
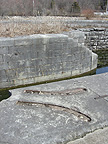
<point x="102" y="70"/>
<point x="4" y="94"/>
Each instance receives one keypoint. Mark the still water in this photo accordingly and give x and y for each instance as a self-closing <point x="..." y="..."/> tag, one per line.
<point x="4" y="94"/>
<point x="102" y="70"/>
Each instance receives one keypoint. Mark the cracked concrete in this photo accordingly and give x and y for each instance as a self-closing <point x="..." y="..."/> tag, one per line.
<point x="28" y="123"/>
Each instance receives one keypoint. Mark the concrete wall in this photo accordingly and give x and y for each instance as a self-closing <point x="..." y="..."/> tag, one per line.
<point x="73" y="22"/>
<point x="37" y="58"/>
<point x="86" y="23"/>
<point x="96" y="38"/>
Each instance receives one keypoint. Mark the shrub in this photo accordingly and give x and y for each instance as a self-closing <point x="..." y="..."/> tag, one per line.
<point x="88" y="13"/>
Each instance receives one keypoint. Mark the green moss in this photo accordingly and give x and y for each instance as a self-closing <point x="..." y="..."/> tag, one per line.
<point x="102" y="57"/>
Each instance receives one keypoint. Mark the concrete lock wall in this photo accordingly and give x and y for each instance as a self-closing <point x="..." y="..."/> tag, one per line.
<point x="86" y="23"/>
<point x="96" y="38"/>
<point x="38" y="58"/>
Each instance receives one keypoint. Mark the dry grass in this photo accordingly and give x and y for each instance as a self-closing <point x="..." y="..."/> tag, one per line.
<point x="21" y="29"/>
<point x="21" y="26"/>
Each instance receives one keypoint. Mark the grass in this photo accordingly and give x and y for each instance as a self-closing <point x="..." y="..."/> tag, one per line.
<point x="21" y="26"/>
<point x="13" y="29"/>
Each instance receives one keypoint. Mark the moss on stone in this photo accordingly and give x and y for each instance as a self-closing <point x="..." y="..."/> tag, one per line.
<point x="102" y="57"/>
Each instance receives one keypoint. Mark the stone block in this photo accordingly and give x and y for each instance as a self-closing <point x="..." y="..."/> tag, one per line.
<point x="1" y="58"/>
<point x="81" y="40"/>
<point x="3" y="76"/>
<point x="49" y="54"/>
<point x="17" y="49"/>
<point x="56" y="54"/>
<point x="75" y="49"/>
<point x="50" y="61"/>
<point x="3" y="50"/>
<point x="57" y="38"/>
<point x="43" y="78"/>
<point x="18" y="82"/>
<point x="4" y="42"/>
<point x="75" y="72"/>
<point x="94" y="60"/>
<point x="21" y="73"/>
<point x="13" y="64"/>
<point x="4" y="66"/>
<point x="55" y="46"/>
<point x="69" y="58"/>
<point x="27" y="81"/>
<point x="4" y="84"/>
<point x="12" y="74"/>
<point x="23" y="41"/>
<point x="83" y="55"/>
<point x="32" y="73"/>
<point x="76" y="34"/>
<point x="37" y="40"/>
<point x="72" y="43"/>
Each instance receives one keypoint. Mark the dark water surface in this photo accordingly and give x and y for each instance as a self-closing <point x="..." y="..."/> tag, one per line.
<point x="4" y="94"/>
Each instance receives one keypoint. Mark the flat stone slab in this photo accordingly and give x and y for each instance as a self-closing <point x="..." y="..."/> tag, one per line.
<point x="55" y="113"/>
<point x="100" y="136"/>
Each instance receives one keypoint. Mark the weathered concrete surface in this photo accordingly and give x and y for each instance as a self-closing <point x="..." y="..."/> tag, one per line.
<point x="98" y="137"/>
<point x="23" y="123"/>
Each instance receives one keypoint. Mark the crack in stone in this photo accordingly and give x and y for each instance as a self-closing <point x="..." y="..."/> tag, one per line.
<point x="78" y="114"/>
<point x="104" y="96"/>
<point x="64" y="92"/>
<point x="99" y="96"/>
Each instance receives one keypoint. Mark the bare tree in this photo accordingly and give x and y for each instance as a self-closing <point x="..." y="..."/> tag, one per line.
<point x="48" y="7"/>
